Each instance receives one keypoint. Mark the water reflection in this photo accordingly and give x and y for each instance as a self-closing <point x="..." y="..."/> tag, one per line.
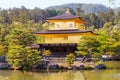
<point x="68" y="75"/>
<point x="109" y="74"/>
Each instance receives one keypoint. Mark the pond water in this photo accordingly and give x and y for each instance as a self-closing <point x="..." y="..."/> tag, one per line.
<point x="109" y="74"/>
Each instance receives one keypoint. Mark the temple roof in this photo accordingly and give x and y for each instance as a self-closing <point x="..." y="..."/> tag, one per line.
<point x="66" y="16"/>
<point x="70" y="31"/>
<point x="63" y="16"/>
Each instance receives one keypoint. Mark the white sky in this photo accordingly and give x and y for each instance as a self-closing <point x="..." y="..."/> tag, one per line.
<point x="6" y="4"/>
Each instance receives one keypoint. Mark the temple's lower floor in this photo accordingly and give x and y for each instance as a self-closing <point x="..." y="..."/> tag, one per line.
<point x="59" y="50"/>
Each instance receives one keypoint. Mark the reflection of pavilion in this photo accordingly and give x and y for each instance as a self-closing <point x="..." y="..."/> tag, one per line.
<point x="62" y="38"/>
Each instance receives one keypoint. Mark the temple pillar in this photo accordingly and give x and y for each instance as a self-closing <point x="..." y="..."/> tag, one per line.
<point x="68" y="50"/>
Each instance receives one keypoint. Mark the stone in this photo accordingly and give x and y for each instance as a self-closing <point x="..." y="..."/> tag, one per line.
<point x="81" y="67"/>
<point x="100" y="66"/>
<point x="4" y="66"/>
<point x="42" y="65"/>
<point x="54" y="67"/>
<point x="74" y="67"/>
<point x="3" y="59"/>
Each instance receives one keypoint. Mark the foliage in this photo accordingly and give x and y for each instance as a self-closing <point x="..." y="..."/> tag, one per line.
<point x="2" y="50"/>
<point x="86" y="8"/>
<point x="32" y="57"/>
<point x="20" y="36"/>
<point x="96" y="56"/>
<point x="46" y="53"/>
<point x="109" y="39"/>
<point x="88" y="45"/>
<point x="70" y="58"/>
<point x="81" y="27"/>
<point x="106" y="43"/>
<point x="97" y="15"/>
<point x="18" y="56"/>
<point x="40" y="40"/>
<point x="17" y="40"/>
<point x="91" y="28"/>
<point x="107" y="25"/>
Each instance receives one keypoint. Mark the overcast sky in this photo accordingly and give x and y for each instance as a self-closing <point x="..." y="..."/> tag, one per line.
<point x="6" y="4"/>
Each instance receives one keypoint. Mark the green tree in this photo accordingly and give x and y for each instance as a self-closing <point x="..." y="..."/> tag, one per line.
<point x="36" y="14"/>
<point x="106" y="46"/>
<point x="2" y="20"/>
<point x="3" y="32"/>
<point x="79" y="11"/>
<point x="101" y="16"/>
<point x="93" y="19"/>
<point x="20" y="36"/>
<point x="96" y="46"/>
<point x="91" y="28"/>
<point x="109" y="40"/>
<point x="87" y="46"/>
<point x="20" y="57"/>
<point x="70" y="58"/>
<point x="110" y="16"/>
<point x="107" y="26"/>
<point x="49" y="13"/>
<point x="24" y="15"/>
<point x="40" y="39"/>
<point x="2" y="50"/>
<point x="16" y="56"/>
<point x="46" y="53"/>
<point x="32" y="57"/>
<point x="14" y="15"/>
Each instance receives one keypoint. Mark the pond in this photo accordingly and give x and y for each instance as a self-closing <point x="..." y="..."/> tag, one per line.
<point x="109" y="74"/>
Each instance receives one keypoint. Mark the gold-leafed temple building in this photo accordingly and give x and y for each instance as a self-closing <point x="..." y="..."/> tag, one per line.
<point x="63" y="36"/>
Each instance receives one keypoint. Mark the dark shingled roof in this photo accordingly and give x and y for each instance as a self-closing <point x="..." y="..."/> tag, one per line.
<point x="63" y="16"/>
<point x="70" y="31"/>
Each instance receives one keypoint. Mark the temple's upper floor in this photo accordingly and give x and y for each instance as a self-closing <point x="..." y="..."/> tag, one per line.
<point x="65" y="21"/>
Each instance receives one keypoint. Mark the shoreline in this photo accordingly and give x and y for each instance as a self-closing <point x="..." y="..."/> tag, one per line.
<point x="58" y="66"/>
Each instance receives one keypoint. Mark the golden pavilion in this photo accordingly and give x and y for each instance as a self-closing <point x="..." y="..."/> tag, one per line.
<point x="63" y="36"/>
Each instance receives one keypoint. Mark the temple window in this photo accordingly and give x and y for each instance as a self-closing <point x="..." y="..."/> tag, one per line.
<point x="71" y="24"/>
<point x="57" y="25"/>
